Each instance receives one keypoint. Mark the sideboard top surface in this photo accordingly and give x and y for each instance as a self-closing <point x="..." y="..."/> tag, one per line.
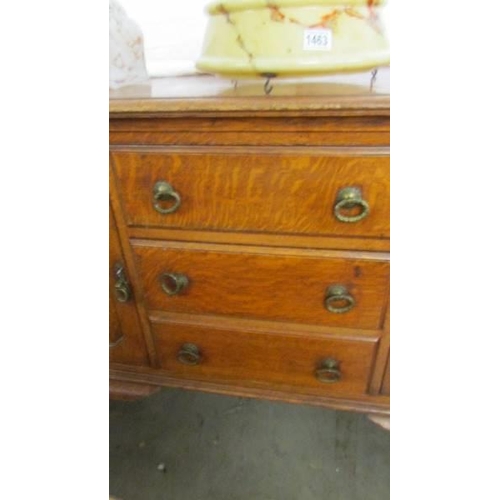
<point x="349" y="94"/>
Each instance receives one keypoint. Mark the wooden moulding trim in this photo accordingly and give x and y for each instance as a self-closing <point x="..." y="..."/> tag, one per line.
<point x="266" y="327"/>
<point x="363" y="404"/>
<point x="145" y="113"/>
<point x="216" y="139"/>
<point x="260" y="239"/>
<point x="262" y="250"/>
<point x="122" y="390"/>
<point x="297" y="106"/>
<point x="309" y="151"/>
<point x="327" y="130"/>
<point x="231" y="123"/>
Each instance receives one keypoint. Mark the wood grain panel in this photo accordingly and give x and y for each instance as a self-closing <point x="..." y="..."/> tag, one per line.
<point x="232" y="123"/>
<point x="258" y="192"/>
<point x="231" y="130"/>
<point x="286" y="361"/>
<point x="264" y="326"/>
<point x="125" y="336"/>
<point x="115" y="330"/>
<point x="265" y="239"/>
<point x="386" y="382"/>
<point x="249" y="138"/>
<point x="265" y="283"/>
<point x="382" y="358"/>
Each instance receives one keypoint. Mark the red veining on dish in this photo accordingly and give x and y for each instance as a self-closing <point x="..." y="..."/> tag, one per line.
<point x="331" y="18"/>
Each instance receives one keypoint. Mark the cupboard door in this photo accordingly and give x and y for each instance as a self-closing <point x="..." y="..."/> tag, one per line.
<point x="126" y="342"/>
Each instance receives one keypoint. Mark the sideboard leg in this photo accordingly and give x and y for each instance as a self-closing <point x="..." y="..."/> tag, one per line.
<point x="130" y="391"/>
<point x="381" y="420"/>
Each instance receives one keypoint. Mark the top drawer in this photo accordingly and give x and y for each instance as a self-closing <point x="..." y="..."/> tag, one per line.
<point x="323" y="194"/>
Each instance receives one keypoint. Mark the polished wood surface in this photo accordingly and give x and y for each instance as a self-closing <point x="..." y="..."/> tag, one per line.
<point x="227" y="130"/>
<point x="265" y="283"/>
<point x="269" y="360"/>
<point x="386" y="383"/>
<point x="257" y="191"/>
<point x="258" y="177"/>
<point x="264" y="326"/>
<point x="362" y="403"/>
<point x="326" y="242"/>
<point x="126" y="342"/>
<point x="130" y="391"/>
<point x="205" y="93"/>
<point x="132" y="274"/>
<point x="382" y="360"/>
<point x="115" y="330"/>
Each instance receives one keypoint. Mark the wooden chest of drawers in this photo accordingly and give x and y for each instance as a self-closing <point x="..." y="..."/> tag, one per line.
<point x="250" y="240"/>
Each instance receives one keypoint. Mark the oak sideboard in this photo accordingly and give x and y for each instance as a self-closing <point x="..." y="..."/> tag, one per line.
<point x="249" y="239"/>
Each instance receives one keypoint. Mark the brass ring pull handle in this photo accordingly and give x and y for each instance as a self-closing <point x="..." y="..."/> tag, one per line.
<point x="122" y="288"/>
<point x="349" y="198"/>
<point x="173" y="283"/>
<point x="164" y="192"/>
<point x="328" y="371"/>
<point x="338" y="300"/>
<point x="189" y="354"/>
<point x="122" y="291"/>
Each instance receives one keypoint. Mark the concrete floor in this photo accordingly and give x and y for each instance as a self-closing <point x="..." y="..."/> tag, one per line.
<point x="181" y="445"/>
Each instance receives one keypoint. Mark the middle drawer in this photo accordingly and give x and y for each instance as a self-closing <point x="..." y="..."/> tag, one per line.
<point x="345" y="289"/>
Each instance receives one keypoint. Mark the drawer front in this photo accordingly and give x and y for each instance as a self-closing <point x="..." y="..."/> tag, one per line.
<point x="257" y="192"/>
<point x="300" y="363"/>
<point x="263" y="283"/>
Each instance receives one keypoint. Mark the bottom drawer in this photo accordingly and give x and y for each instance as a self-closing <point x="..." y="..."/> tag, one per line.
<point x="294" y="362"/>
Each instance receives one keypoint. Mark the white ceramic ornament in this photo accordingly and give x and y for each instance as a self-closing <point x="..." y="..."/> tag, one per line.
<point x="126" y="49"/>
